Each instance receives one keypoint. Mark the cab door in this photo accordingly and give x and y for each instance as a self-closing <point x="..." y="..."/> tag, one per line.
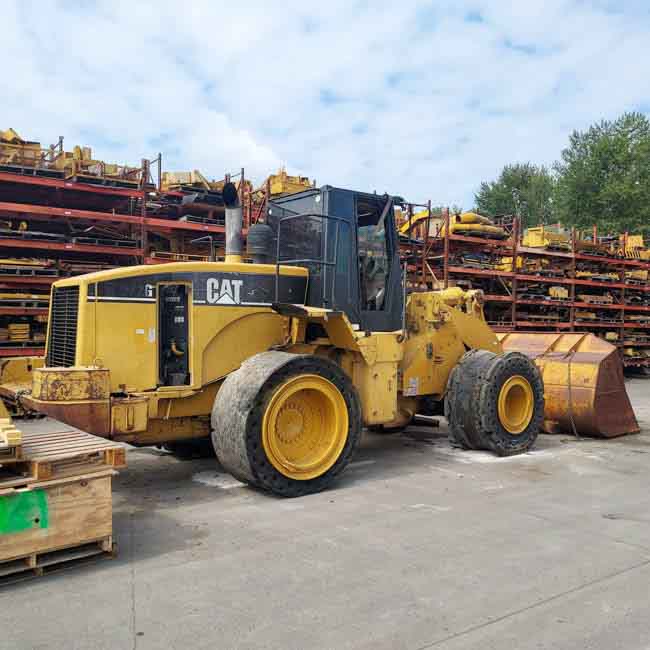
<point x="380" y="293"/>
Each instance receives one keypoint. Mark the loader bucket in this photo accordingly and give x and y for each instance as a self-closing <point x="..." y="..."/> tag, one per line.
<point x="584" y="389"/>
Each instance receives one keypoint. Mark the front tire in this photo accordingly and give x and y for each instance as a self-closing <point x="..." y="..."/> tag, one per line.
<point x="495" y="402"/>
<point x="286" y="423"/>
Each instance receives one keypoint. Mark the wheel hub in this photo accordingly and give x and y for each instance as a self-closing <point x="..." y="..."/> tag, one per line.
<point x="305" y="427"/>
<point x="290" y="424"/>
<point x="516" y="404"/>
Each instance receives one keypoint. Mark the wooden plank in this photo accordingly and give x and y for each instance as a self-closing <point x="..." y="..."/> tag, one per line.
<point x="71" y="479"/>
<point x="10" y="454"/>
<point x="37" y="437"/>
<point x="78" y="512"/>
<point x="70" y="445"/>
<point x="112" y="457"/>
<point x="9" y="485"/>
<point x="66" y="448"/>
<point x="27" y="483"/>
<point x="36" y="445"/>
<point x="47" y="470"/>
<point x="59" y="455"/>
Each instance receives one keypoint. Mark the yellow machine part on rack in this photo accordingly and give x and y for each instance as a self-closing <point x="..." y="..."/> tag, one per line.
<point x="417" y="219"/>
<point x="473" y="217"/>
<point x="478" y="230"/>
<point x="282" y="183"/>
<point x="16" y="151"/>
<point x="467" y="223"/>
<point x="584" y="387"/>
<point x="640" y="275"/>
<point x="559" y="293"/>
<point x="174" y="180"/>
<point x="473" y="224"/>
<point x="545" y="237"/>
<point x="633" y="247"/>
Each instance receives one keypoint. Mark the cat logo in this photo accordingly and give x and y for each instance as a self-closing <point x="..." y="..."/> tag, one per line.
<point x="224" y="292"/>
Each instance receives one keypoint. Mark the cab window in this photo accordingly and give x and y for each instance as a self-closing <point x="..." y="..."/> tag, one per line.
<point x="373" y="253"/>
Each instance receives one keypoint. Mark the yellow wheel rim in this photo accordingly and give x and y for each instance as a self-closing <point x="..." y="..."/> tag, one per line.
<point x="516" y="404"/>
<point x="305" y="427"/>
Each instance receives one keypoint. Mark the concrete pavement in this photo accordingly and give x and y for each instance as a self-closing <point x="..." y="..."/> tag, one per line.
<point x="418" y="546"/>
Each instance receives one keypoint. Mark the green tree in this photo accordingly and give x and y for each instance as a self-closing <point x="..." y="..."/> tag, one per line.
<point x="604" y="176"/>
<point x="524" y="189"/>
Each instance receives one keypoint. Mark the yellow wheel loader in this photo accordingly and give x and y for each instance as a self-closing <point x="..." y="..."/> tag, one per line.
<point x="282" y="361"/>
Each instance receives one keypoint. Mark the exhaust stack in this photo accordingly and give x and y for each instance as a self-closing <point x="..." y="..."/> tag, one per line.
<point x="234" y="240"/>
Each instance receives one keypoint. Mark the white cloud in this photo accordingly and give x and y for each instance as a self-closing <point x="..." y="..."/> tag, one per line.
<point x="425" y="101"/>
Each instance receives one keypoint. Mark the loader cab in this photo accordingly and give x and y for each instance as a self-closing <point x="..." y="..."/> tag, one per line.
<point x="348" y="242"/>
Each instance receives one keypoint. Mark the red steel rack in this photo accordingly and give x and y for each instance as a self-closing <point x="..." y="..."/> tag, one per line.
<point x="433" y="261"/>
<point x="78" y="225"/>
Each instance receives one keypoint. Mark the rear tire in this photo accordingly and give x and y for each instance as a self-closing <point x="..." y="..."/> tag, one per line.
<point x="495" y="402"/>
<point x="286" y="423"/>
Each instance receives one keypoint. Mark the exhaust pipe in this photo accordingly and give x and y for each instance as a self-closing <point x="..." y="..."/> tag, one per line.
<point x="234" y="217"/>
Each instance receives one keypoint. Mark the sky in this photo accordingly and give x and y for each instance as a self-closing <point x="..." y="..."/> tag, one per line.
<point x="420" y="99"/>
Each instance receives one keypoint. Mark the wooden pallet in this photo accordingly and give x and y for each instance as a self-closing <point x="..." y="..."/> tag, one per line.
<point x="38" y="564"/>
<point x="54" y="522"/>
<point x="56" y="455"/>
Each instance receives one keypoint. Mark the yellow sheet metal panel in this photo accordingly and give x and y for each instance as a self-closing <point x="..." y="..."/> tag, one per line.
<point x="128" y="415"/>
<point x="130" y="350"/>
<point x="375" y="375"/>
<point x="219" y="343"/>
<point x="430" y="349"/>
<point x="380" y="347"/>
<point x="224" y="338"/>
<point x="220" y="340"/>
<point x="160" y="431"/>
<point x="377" y="387"/>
